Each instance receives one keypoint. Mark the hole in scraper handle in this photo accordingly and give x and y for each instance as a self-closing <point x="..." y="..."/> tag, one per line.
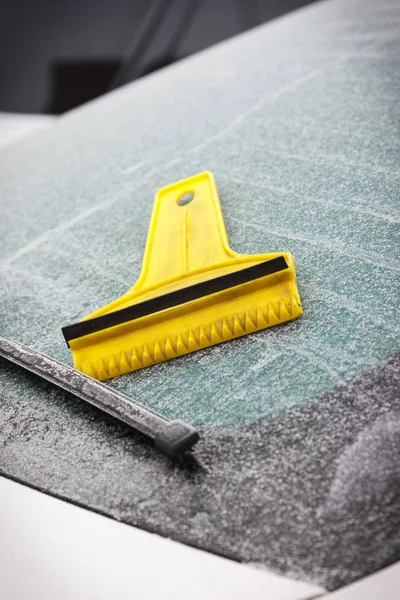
<point x="185" y="198"/>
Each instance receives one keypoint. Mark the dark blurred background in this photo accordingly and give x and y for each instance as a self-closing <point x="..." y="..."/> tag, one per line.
<point x="56" y="55"/>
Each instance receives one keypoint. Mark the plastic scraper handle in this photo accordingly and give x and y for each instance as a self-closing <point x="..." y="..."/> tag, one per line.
<point x="173" y="437"/>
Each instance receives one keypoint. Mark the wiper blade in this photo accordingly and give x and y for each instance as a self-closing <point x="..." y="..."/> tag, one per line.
<point x="172" y="436"/>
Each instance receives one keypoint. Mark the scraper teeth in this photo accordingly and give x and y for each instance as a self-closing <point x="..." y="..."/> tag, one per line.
<point x="249" y="324"/>
<point x="276" y="307"/>
<point x="251" y="320"/>
<point x="218" y="326"/>
<point x="159" y="355"/>
<point x="262" y="319"/>
<point x="89" y="370"/>
<point x="170" y="348"/>
<point x="285" y="310"/>
<point x="148" y="357"/>
<point x="273" y="318"/>
<point x="113" y="370"/>
<point x="239" y="323"/>
<point x="180" y="346"/>
<point x="205" y="336"/>
<point x="125" y="364"/>
<point x="192" y="344"/>
<point x="194" y="339"/>
<point x="102" y="372"/>
<point x="215" y="336"/>
<point x="296" y="307"/>
<point x="137" y="363"/>
<point x="227" y="329"/>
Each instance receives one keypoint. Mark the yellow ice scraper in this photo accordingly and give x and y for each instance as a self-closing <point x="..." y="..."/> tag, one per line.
<point x="193" y="291"/>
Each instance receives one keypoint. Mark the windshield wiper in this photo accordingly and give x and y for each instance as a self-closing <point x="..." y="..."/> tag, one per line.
<point x="173" y="437"/>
